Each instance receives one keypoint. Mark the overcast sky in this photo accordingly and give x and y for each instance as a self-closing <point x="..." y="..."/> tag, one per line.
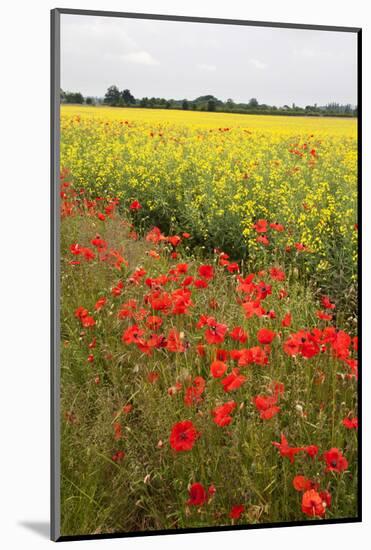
<point x="178" y="60"/>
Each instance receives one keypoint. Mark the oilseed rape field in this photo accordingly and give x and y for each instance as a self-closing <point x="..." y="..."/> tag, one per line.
<point x="208" y="319"/>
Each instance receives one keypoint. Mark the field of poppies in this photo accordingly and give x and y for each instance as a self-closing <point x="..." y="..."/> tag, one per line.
<point x="208" y="347"/>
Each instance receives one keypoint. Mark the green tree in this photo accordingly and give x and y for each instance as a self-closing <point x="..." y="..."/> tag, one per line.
<point x="127" y="97"/>
<point x="112" y="96"/>
<point x="211" y="105"/>
<point x="185" y="105"/>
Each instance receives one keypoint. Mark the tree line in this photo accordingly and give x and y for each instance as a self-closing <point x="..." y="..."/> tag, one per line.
<point x="124" y="98"/>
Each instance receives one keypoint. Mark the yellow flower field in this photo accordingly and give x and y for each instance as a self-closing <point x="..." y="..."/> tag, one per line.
<point x="215" y="174"/>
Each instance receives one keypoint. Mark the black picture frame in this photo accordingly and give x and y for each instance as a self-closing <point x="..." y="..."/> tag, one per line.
<point x="55" y="268"/>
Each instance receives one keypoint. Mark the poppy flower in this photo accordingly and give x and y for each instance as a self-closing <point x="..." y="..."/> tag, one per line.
<point x="193" y="393"/>
<point x="311" y="450"/>
<point x="88" y="321"/>
<point x="222" y="414"/>
<point x="277" y="226"/>
<point x="218" y="369"/>
<point x="222" y="354"/>
<point x="335" y="460"/>
<point x="238" y="335"/>
<point x="323" y="316"/>
<point x="206" y="271"/>
<point x="117" y="457"/>
<point x="285" y="450"/>
<point x="350" y="423"/>
<point x="174" y="240"/>
<point x="277" y="274"/>
<point x="100" y="303"/>
<point x="326" y="303"/>
<point x="261" y="226"/>
<point x="286" y="321"/>
<point x="200" y="283"/>
<point x="301" y="483"/>
<point x="135" y="205"/>
<point x="215" y="332"/>
<point x="183" y="436"/>
<point x="265" y="336"/>
<point x="153" y="322"/>
<point x="267" y="406"/>
<point x="312" y="504"/>
<point x="263" y="240"/>
<point x="237" y="511"/>
<point x="197" y="495"/>
<point x="174" y="342"/>
<point x="132" y="335"/>
<point x="233" y="381"/>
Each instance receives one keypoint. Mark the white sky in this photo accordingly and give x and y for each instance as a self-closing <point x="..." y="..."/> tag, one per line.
<point x="178" y="60"/>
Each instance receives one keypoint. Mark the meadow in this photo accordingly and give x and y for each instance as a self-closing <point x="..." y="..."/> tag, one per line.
<point x="208" y="319"/>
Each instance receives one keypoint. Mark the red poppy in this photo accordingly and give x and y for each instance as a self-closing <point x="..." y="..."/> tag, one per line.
<point x="193" y="393"/>
<point x="135" y="205"/>
<point x="267" y="406"/>
<point x="152" y="377"/>
<point x="277" y="226"/>
<point x="174" y="341"/>
<point x="263" y="240"/>
<point x="174" y="240"/>
<point x="311" y="450"/>
<point x="222" y="414"/>
<point x="261" y="226"/>
<point x="237" y="511"/>
<point x="117" y="457"/>
<point x="265" y="336"/>
<point x="206" y="271"/>
<point x="323" y="316"/>
<point x="100" y="303"/>
<point x="326" y="303"/>
<point x="350" y="423"/>
<point x="153" y="322"/>
<point x="132" y="335"/>
<point x="218" y="369"/>
<point x="222" y="354"/>
<point x="233" y="381"/>
<point x="200" y="283"/>
<point x="215" y="332"/>
<point x="312" y="504"/>
<point x="197" y="495"/>
<point x="285" y="450"/>
<point x="286" y="321"/>
<point x="335" y="460"/>
<point x="277" y="274"/>
<point x="238" y="335"/>
<point x="183" y="436"/>
<point x="301" y="483"/>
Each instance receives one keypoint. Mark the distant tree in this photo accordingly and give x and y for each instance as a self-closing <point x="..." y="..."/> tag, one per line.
<point x="167" y="104"/>
<point x="144" y="102"/>
<point x="211" y="105"/>
<point x="253" y="103"/>
<point x="112" y="96"/>
<point x="73" y="97"/>
<point x="230" y="104"/>
<point x="90" y="101"/>
<point x="127" y="97"/>
<point x="185" y="105"/>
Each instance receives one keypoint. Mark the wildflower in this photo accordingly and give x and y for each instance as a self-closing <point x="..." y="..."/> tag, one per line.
<point x="312" y="504"/>
<point x="218" y="369"/>
<point x="197" y="495"/>
<point x="237" y="511"/>
<point x="335" y="460"/>
<point x="183" y="436"/>
<point x="222" y="414"/>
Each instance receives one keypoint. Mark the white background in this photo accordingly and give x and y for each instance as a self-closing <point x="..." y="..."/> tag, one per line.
<point x="24" y="253"/>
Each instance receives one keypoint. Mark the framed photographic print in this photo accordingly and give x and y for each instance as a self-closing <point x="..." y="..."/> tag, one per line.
<point x="205" y="274"/>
